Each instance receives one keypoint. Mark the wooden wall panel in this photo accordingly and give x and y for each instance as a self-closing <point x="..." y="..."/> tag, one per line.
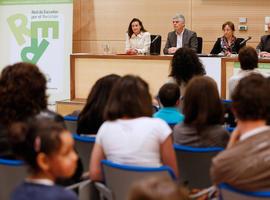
<point x="98" y="21"/>
<point x="209" y="15"/>
<point x="76" y="20"/>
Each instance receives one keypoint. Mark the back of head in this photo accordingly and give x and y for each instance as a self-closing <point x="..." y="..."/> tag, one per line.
<point x="179" y="17"/>
<point x="92" y="112"/>
<point x="169" y="94"/>
<point x="51" y="115"/>
<point x="202" y="104"/>
<point x="157" y="188"/>
<point x="248" y="58"/>
<point x="129" y="98"/>
<point x="251" y="100"/>
<point x="185" y="64"/>
<point x="22" y="92"/>
<point x="37" y="135"/>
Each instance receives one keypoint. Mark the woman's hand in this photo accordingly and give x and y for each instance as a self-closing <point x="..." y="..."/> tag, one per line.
<point x="132" y="51"/>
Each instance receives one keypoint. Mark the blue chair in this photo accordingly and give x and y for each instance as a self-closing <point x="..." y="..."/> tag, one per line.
<point x="118" y="178"/>
<point x="71" y="123"/>
<point x="228" y="192"/>
<point x="12" y="172"/>
<point x="84" y="146"/>
<point x="230" y="129"/>
<point x="194" y="165"/>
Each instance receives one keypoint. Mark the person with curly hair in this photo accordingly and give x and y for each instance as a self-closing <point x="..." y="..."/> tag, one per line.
<point x="22" y="95"/>
<point x="185" y="65"/>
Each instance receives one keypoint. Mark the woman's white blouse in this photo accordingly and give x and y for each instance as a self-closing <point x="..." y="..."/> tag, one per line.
<point x="140" y="42"/>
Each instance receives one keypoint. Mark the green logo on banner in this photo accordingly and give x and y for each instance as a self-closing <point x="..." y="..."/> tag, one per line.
<point x="18" y="26"/>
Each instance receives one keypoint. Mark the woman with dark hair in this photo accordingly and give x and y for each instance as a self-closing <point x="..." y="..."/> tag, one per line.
<point x="185" y="64"/>
<point x="138" y="40"/>
<point x="22" y="95"/>
<point x="203" y="116"/>
<point x="227" y="44"/>
<point x="91" y="117"/>
<point x="130" y="135"/>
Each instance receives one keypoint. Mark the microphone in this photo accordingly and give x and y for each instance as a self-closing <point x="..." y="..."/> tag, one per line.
<point x="157" y="36"/>
<point x="244" y="41"/>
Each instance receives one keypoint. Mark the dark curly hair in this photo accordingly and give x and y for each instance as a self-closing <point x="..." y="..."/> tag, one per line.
<point x="185" y="64"/>
<point x="22" y="92"/>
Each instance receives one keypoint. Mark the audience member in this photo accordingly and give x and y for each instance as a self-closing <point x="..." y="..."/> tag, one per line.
<point x="248" y="62"/>
<point x="48" y="150"/>
<point x="185" y="64"/>
<point x="169" y="97"/>
<point x="130" y="135"/>
<point x="180" y="37"/>
<point x="244" y="164"/>
<point x="138" y="40"/>
<point x="264" y="45"/>
<point x="50" y="115"/>
<point x="91" y="117"/>
<point x="157" y="188"/>
<point x="22" y="95"/>
<point x="203" y="116"/>
<point x="227" y="44"/>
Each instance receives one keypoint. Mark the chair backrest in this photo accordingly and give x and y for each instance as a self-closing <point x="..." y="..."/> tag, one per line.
<point x="71" y="123"/>
<point x="155" y="45"/>
<point x="82" y="188"/>
<point x="84" y="146"/>
<point x="194" y="165"/>
<point x="118" y="178"/>
<point x="200" y="44"/>
<point x="12" y="172"/>
<point x="227" y="192"/>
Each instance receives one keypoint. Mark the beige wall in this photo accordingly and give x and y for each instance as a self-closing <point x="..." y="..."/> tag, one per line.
<point x="105" y="21"/>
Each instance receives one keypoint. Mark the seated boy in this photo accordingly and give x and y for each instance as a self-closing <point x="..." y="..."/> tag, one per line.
<point x="169" y="95"/>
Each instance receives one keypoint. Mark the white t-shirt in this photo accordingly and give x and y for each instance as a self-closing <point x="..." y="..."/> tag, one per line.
<point x="133" y="141"/>
<point x="140" y="42"/>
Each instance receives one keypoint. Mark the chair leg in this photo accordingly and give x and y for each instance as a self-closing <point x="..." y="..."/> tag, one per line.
<point x="104" y="192"/>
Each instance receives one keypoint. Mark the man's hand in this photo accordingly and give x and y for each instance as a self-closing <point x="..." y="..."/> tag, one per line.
<point x="172" y="50"/>
<point x="235" y="136"/>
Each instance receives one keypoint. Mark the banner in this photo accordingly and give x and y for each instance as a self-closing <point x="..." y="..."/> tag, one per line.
<point x="40" y="32"/>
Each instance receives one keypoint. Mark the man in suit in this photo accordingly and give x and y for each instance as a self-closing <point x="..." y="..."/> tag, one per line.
<point x="264" y="45"/>
<point x="180" y="37"/>
<point x="245" y="163"/>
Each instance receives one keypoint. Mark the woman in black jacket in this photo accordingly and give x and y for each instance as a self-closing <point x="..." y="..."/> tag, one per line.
<point x="227" y="44"/>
